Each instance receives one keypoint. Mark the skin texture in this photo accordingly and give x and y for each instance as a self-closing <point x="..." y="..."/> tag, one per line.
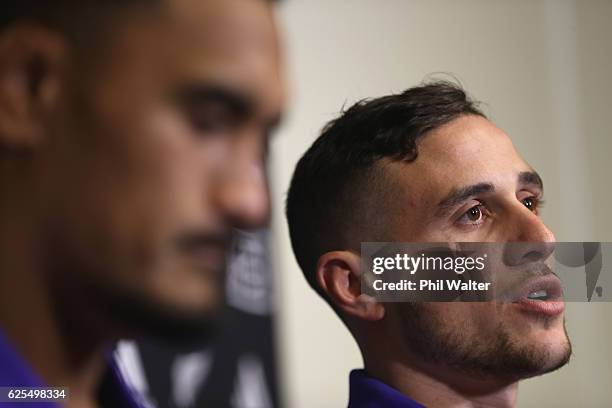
<point x="123" y="177"/>
<point x="463" y="353"/>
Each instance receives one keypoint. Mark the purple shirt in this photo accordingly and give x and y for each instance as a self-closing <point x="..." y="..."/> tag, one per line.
<point x="15" y="372"/>
<point x="368" y="392"/>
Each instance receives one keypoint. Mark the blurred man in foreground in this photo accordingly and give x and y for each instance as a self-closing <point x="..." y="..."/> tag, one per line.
<point x="133" y="139"/>
<point x="425" y="166"/>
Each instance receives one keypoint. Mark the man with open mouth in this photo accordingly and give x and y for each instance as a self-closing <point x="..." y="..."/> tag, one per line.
<point x="428" y="166"/>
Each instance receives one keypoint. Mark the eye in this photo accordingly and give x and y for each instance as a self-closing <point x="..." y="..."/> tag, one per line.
<point x="210" y="120"/>
<point x="532" y="203"/>
<point x="475" y="215"/>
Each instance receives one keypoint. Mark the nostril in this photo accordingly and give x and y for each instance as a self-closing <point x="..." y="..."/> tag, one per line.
<point x="533" y="256"/>
<point x="520" y="253"/>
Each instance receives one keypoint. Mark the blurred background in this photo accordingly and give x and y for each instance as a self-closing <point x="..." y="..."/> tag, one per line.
<point x="542" y="67"/>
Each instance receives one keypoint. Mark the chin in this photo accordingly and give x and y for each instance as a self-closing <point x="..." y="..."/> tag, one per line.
<point x="553" y="347"/>
<point x="183" y="313"/>
<point x="185" y="289"/>
<point x="178" y="322"/>
<point x="560" y="351"/>
<point x="204" y="300"/>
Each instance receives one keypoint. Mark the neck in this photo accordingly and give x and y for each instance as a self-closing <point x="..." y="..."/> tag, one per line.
<point x="60" y="351"/>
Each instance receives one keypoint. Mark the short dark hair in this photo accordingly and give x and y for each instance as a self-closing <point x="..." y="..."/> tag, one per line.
<point x="80" y="21"/>
<point x="57" y="13"/>
<point x="324" y="195"/>
<point x="53" y="11"/>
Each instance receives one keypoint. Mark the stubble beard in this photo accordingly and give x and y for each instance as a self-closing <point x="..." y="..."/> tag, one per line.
<point x="494" y="355"/>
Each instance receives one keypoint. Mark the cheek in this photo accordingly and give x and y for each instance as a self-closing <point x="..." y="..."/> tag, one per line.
<point x="126" y="193"/>
<point x="182" y="167"/>
<point x="468" y="318"/>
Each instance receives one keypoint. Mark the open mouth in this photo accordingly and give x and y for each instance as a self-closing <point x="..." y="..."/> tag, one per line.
<point x="541" y="295"/>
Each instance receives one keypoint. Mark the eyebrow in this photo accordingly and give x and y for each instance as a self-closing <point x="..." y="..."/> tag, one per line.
<point x="461" y="194"/>
<point x="531" y="178"/>
<point x="238" y="103"/>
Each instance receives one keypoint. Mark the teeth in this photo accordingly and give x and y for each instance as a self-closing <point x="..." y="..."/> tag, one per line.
<point x="538" y="294"/>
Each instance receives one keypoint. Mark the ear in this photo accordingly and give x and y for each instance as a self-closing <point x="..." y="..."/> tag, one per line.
<point x="31" y="60"/>
<point x="339" y="275"/>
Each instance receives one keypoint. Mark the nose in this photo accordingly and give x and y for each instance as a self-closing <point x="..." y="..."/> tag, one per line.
<point x="242" y="195"/>
<point x="530" y="239"/>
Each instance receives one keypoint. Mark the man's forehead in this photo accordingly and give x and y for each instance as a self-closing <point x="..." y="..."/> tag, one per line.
<point x="467" y="151"/>
<point x="202" y="43"/>
<point x="233" y="42"/>
<point x="219" y="23"/>
<point x="468" y="137"/>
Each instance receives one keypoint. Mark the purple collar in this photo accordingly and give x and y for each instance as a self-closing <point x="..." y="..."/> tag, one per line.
<point x="368" y="392"/>
<point x="15" y="372"/>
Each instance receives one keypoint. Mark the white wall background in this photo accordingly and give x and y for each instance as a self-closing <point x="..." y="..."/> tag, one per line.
<point x="544" y="69"/>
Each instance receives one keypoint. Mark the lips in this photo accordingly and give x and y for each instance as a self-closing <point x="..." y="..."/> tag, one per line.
<point x="207" y="251"/>
<point x="542" y="295"/>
